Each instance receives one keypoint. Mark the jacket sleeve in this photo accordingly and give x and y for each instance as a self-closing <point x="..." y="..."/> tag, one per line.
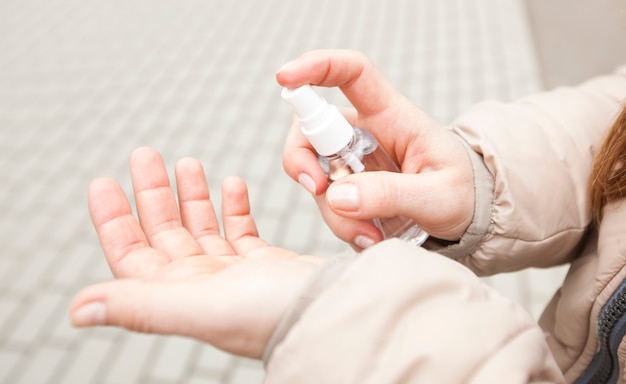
<point x="402" y="314"/>
<point x="539" y="153"/>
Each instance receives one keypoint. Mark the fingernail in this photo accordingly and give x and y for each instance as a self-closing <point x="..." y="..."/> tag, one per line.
<point x="307" y="182"/>
<point x="89" y="314"/>
<point x="343" y="196"/>
<point x="363" y="241"/>
<point x="287" y="65"/>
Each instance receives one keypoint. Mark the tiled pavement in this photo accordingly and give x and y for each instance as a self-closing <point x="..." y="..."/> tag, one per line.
<point x="83" y="83"/>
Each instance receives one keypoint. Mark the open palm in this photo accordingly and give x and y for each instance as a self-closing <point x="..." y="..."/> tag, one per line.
<point x="176" y="273"/>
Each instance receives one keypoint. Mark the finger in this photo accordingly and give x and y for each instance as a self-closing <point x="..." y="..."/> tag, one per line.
<point x="197" y="210"/>
<point x="202" y="311"/>
<point x="239" y="226"/>
<point x="442" y="212"/>
<point x="300" y="160"/>
<point x="362" y="83"/>
<point x="156" y="206"/>
<point x="141" y="306"/>
<point x="124" y="244"/>
<point x="359" y="233"/>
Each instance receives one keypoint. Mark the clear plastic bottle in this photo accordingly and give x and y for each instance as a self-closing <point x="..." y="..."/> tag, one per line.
<point x="344" y="150"/>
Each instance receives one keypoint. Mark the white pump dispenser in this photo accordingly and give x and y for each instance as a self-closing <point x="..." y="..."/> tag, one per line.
<point x="322" y="123"/>
<point x="344" y="150"/>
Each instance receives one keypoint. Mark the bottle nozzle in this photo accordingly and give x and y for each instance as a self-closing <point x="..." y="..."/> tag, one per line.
<point x="322" y="123"/>
<point x="304" y="101"/>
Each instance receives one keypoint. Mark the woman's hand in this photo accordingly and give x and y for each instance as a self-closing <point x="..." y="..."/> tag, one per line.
<point x="176" y="273"/>
<point x="436" y="186"/>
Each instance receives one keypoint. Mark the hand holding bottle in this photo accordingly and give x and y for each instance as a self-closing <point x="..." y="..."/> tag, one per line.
<point x="435" y="187"/>
<point x="345" y="150"/>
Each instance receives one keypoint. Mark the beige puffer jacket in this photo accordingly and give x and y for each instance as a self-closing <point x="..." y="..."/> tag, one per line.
<point x="401" y="314"/>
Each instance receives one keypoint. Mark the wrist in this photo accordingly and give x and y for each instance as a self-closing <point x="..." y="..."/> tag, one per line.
<point x="471" y="238"/>
<point x="315" y="284"/>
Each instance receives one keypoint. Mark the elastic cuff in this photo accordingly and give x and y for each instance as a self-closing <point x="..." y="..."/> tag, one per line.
<point x="483" y="207"/>
<point x="319" y="282"/>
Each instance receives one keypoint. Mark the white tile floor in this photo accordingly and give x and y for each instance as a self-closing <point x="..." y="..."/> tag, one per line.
<point x="84" y="83"/>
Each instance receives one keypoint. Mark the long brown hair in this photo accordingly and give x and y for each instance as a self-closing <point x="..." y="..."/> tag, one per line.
<point x="608" y="180"/>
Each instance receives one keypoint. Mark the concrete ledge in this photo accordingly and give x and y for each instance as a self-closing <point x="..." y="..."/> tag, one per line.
<point x="577" y="39"/>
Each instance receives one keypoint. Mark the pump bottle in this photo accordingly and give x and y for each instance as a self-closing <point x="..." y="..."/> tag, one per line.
<point x="343" y="150"/>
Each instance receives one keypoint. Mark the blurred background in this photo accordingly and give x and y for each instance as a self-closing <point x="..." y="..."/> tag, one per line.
<point x="83" y="83"/>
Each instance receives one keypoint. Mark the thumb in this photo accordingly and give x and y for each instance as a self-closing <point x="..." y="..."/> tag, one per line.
<point x="370" y="195"/>
<point x="429" y="198"/>
<point x="141" y="306"/>
<point x="181" y="308"/>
